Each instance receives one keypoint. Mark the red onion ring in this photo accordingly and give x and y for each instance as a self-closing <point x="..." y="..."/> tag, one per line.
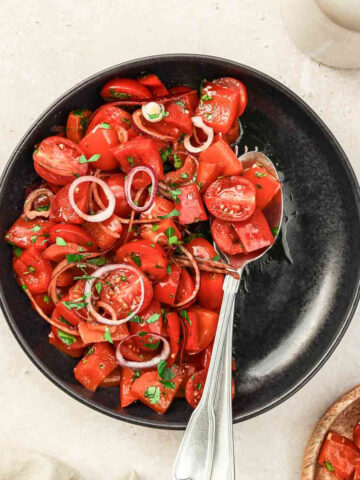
<point x="163" y="355"/>
<point x="199" y="123"/>
<point x="31" y="214"/>
<point x="141" y="128"/>
<point x="195" y="266"/>
<point x="104" y="214"/>
<point x="128" y="183"/>
<point x="96" y="275"/>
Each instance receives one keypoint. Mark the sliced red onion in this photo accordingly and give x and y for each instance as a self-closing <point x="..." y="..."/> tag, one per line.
<point x="104" y="214"/>
<point x="199" y="123"/>
<point x="163" y="355"/>
<point x="141" y="128"/>
<point x="154" y="185"/>
<point x="39" y="192"/>
<point x="103" y="271"/>
<point x="158" y="110"/>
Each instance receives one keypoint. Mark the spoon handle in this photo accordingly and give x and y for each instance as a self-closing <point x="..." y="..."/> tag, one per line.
<point x="195" y="456"/>
<point x="224" y="459"/>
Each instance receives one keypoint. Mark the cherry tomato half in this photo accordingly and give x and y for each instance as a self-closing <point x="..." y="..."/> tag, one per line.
<point x="112" y="115"/>
<point x="100" y="141"/>
<point x="76" y="124"/>
<point x="72" y="233"/>
<point x="235" y="84"/>
<point x="231" y="198"/>
<point x="124" y="89"/>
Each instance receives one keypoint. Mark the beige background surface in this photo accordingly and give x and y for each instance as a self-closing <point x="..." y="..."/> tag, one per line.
<point x="46" y="46"/>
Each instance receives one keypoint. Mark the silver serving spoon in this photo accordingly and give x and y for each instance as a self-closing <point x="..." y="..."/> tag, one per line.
<point x="207" y="450"/>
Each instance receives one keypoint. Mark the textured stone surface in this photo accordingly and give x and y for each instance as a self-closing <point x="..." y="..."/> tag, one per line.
<point x="46" y="46"/>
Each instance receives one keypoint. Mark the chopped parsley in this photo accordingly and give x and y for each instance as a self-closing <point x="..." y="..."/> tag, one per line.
<point x="61" y="242"/>
<point x="205" y="97"/>
<point x="184" y="175"/>
<point x="131" y="161"/>
<point x="151" y="345"/>
<point x="153" y="394"/>
<point x="107" y="335"/>
<point x="31" y="269"/>
<point x="104" y="125"/>
<point x="184" y="314"/>
<point x="275" y="231"/>
<point x="260" y="174"/>
<point x="135" y="319"/>
<point x="94" y="158"/>
<point x="155" y="227"/>
<point x="35" y="228"/>
<point x="24" y="287"/>
<point x="174" y="213"/>
<point x="198" y="386"/>
<point x="77" y="304"/>
<point x="126" y="120"/>
<point x="163" y="372"/>
<point x="164" y="153"/>
<point x="154" y="318"/>
<point x="329" y="466"/>
<point x="66" y="337"/>
<point x="74" y="257"/>
<point x="259" y="186"/>
<point x="17" y="251"/>
<point x="135" y="257"/>
<point x="168" y="270"/>
<point x="98" y="287"/>
<point x="137" y="374"/>
<point x="43" y="208"/>
<point x="120" y="95"/>
<point x="175" y="194"/>
<point x="46" y="299"/>
<point x="216" y="258"/>
<point x="177" y="161"/>
<point x="99" y="261"/>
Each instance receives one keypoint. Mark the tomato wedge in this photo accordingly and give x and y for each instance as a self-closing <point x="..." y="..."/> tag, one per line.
<point x="255" y="232"/>
<point x="128" y="377"/>
<point x="72" y="233"/>
<point x="154" y="84"/>
<point x="112" y="115"/>
<point x="267" y="186"/>
<point x="231" y="198"/>
<point x="62" y="211"/>
<point x="26" y="233"/>
<point x="33" y="270"/>
<point x="100" y="141"/>
<point x="173" y="332"/>
<point x="207" y="321"/>
<point x="116" y="183"/>
<point x="190" y="205"/>
<point x="225" y="237"/>
<point x="165" y="290"/>
<point x="235" y="84"/>
<point x="124" y="89"/>
<point x="76" y="124"/>
<point x="150" y="322"/>
<point x="339" y="455"/>
<point x="195" y="387"/>
<point x="221" y="154"/>
<point x="160" y="208"/>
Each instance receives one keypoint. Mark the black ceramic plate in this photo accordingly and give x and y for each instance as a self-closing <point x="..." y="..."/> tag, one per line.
<point x="294" y="305"/>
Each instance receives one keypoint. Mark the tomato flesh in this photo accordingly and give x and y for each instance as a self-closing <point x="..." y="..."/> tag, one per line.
<point x="117" y="185"/>
<point x="190" y="205"/>
<point x="195" y="387"/>
<point x="72" y="233"/>
<point x="235" y="84"/>
<point x="151" y="322"/>
<point x="231" y="198"/>
<point x="165" y="290"/>
<point x="26" y="233"/>
<point x="100" y="141"/>
<point x="267" y="186"/>
<point x="124" y="89"/>
<point x="226" y="238"/>
<point x="76" y="124"/>
<point x="33" y="270"/>
<point x="126" y="383"/>
<point x="221" y="154"/>
<point x="62" y="211"/>
<point x="173" y="333"/>
<point x="154" y="84"/>
<point x="112" y="115"/>
<point x="340" y="454"/>
<point x="254" y="233"/>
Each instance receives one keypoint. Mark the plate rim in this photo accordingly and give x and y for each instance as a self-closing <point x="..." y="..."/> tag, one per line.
<point x="219" y="61"/>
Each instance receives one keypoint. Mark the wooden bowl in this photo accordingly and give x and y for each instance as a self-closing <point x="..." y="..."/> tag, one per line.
<point x="340" y="418"/>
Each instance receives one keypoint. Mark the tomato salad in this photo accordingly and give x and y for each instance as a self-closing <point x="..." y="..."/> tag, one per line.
<point x="114" y="246"/>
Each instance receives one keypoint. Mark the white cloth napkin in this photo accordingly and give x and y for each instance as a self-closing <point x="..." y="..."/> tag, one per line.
<point x="18" y="464"/>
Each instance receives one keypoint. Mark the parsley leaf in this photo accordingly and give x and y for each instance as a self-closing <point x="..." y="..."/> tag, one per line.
<point x="329" y="466"/>
<point x="164" y="153"/>
<point x="77" y="304"/>
<point x="120" y="95"/>
<point x="153" y="394"/>
<point x="46" y="299"/>
<point x="136" y="375"/>
<point x="155" y="227"/>
<point x="99" y="261"/>
<point x="126" y="120"/>
<point x="184" y="175"/>
<point x="104" y="125"/>
<point x="94" y="158"/>
<point x="163" y="372"/>
<point x="168" y="269"/>
<point x="66" y="337"/>
<point x="107" y="335"/>
<point x="17" y="251"/>
<point x="151" y="345"/>
<point x="35" y="228"/>
<point x="216" y="258"/>
<point x="98" y="287"/>
<point x="61" y="242"/>
<point x="136" y="319"/>
<point x="154" y="318"/>
<point x="177" y="161"/>
<point x="131" y="161"/>
<point x="168" y="384"/>
<point x="275" y="231"/>
<point x="135" y="257"/>
<point x="184" y="314"/>
<point x="74" y="257"/>
<point x="260" y="174"/>
<point x="174" y="213"/>
<point x="43" y="208"/>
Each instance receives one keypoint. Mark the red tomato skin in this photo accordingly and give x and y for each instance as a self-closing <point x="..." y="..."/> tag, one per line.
<point x="154" y="84"/>
<point x="193" y="332"/>
<point x="38" y="280"/>
<point x="195" y="387"/>
<point x="126" y="382"/>
<point x="255" y="232"/>
<point x="74" y="234"/>
<point x="76" y="124"/>
<point x="45" y="303"/>
<point x="116" y="183"/>
<point x="151" y="379"/>
<point x="225" y="237"/>
<point x="21" y="233"/>
<point x="62" y="211"/>
<point x="124" y="88"/>
<point x="94" y="333"/>
<point x="62" y="154"/>
<point x="207" y="321"/>
<point x="188" y="169"/>
<point x="220" y="153"/>
<point x="96" y="366"/>
<point x="341" y="453"/>
<point x="186" y="286"/>
<point x="115" y="116"/>
<point x="71" y="315"/>
<point x="190" y="205"/>
<point x="235" y="84"/>
<point x="62" y="347"/>
<point x="266" y="185"/>
<point x="140" y="151"/>
<point x="211" y="290"/>
<point x="192" y="95"/>
<point x="179" y="115"/>
<point x="56" y="253"/>
<point x="220" y="111"/>
<point x="104" y="239"/>
<point x="356" y="435"/>
<point x="160" y="207"/>
<point x="159" y="236"/>
<point x="154" y="308"/>
<point x="172" y="330"/>
<point x="101" y="141"/>
<point x="165" y="290"/>
<point x="207" y="174"/>
<point x="153" y="259"/>
<point x="200" y="247"/>
<point x="231" y="198"/>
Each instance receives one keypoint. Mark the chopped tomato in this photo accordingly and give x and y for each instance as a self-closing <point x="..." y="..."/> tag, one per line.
<point x="231" y="198"/>
<point x="128" y="377"/>
<point x="160" y="208"/>
<point x="192" y="95"/>
<point x="149" y="389"/>
<point x="235" y="84"/>
<point x="76" y="124"/>
<point x="165" y="290"/>
<point x="339" y="455"/>
<point x="74" y="234"/>
<point x="122" y="291"/>
<point x="95" y="366"/>
<point x="192" y="327"/>
<point x="150" y="322"/>
<point x="179" y="115"/>
<point x="66" y="339"/>
<point x="56" y="160"/>
<point x="62" y="211"/>
<point x="45" y="303"/>
<point x="211" y="290"/>
<point x="195" y="387"/>
<point x="186" y="286"/>
<point x="25" y="233"/>
<point x="218" y="106"/>
<point x="140" y="151"/>
<point x="267" y="186"/>
<point x="100" y="141"/>
<point x="154" y="84"/>
<point x="104" y="237"/>
<point x="56" y="253"/>
<point x="33" y="270"/>
<point x="206" y="356"/>
<point x="182" y="175"/>
<point x="116" y="183"/>
<point x="173" y="332"/>
<point x="356" y="435"/>
<point x="207" y="321"/>
<point x="66" y="278"/>
<point x="113" y="379"/>
<point x="190" y="205"/>
<point x="160" y="232"/>
<point x="255" y="232"/>
<point x="149" y="257"/>
<point x="207" y="174"/>
<point x="115" y="116"/>
<point x="124" y="89"/>
<point x="64" y="348"/>
<point x="200" y="247"/>
<point x="225" y="237"/>
<point x="72" y="307"/>
<point x="221" y="154"/>
<point x="94" y="333"/>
